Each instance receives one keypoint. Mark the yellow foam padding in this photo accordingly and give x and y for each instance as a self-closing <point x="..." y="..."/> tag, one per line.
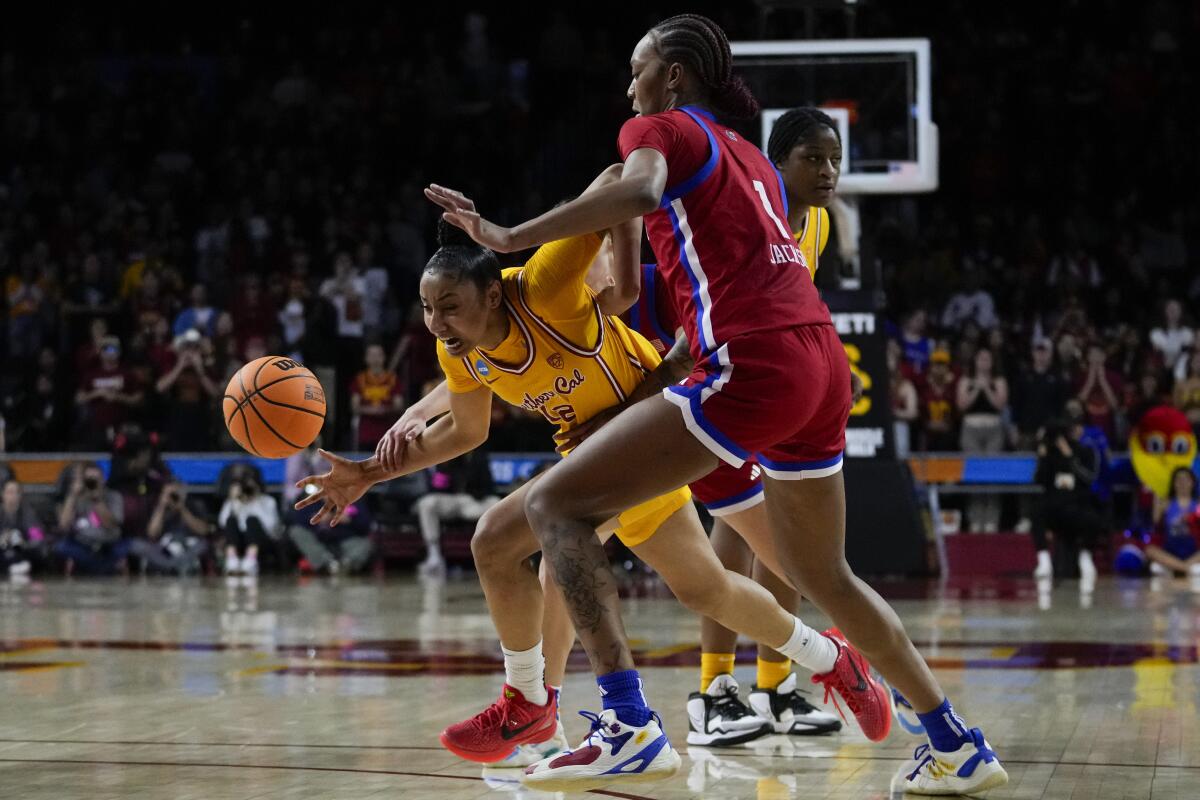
<point x="640" y="522"/>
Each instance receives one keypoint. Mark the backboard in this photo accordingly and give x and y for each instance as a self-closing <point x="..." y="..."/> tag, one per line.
<point x="878" y="92"/>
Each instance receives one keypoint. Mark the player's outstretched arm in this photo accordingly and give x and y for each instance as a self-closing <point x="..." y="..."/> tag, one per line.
<point x="638" y="191"/>
<point x="463" y="429"/>
<point x="390" y="449"/>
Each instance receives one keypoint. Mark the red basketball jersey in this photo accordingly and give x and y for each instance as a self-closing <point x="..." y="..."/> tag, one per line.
<point x="721" y="234"/>
<point x="653" y="315"/>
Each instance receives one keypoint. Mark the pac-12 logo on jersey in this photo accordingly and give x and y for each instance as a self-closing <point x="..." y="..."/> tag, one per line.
<point x="482" y="367"/>
<point x="555" y="360"/>
<point x="731" y="136"/>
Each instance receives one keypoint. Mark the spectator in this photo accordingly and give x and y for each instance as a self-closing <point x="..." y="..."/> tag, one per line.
<point x="1143" y="396"/>
<point x="983" y="400"/>
<point x="252" y="313"/>
<point x="346" y="548"/>
<point x="1099" y="388"/>
<point x="971" y="303"/>
<point x="1173" y="340"/>
<point x="375" y="289"/>
<point x="87" y="355"/>
<point x="26" y="318"/>
<point x="345" y="290"/>
<point x="459" y="489"/>
<point x="191" y="388"/>
<point x="21" y="534"/>
<point x="905" y="407"/>
<point x="414" y="357"/>
<point x="1039" y="395"/>
<point x="1175" y="544"/>
<point x="1187" y="391"/>
<point x="1066" y="469"/>
<point x="176" y="535"/>
<point x="107" y="395"/>
<point x="198" y="316"/>
<point x="376" y="399"/>
<point x="249" y="520"/>
<point x="90" y="519"/>
<point x="939" y="417"/>
<point x="918" y="348"/>
<point x="292" y="318"/>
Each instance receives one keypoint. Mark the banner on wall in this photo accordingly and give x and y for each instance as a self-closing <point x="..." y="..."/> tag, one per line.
<point x="869" y="433"/>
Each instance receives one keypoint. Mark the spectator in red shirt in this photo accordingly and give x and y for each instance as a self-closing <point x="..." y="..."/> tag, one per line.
<point x="107" y="396"/>
<point x="376" y="399"/>
<point x="939" y="402"/>
<point x="1099" y="389"/>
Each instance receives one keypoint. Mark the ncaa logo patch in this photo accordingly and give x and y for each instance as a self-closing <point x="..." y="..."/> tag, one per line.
<point x="555" y="360"/>
<point x="731" y="136"/>
<point x="482" y="367"/>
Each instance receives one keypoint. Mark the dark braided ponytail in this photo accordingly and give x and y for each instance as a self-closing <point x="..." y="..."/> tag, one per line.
<point x="794" y="128"/>
<point x="699" y="44"/>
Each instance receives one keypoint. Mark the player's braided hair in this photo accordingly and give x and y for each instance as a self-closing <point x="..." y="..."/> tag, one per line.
<point x="459" y="256"/>
<point x="699" y="44"/>
<point x="795" y="127"/>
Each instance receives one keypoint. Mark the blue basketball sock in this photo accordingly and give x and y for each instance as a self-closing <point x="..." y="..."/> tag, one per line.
<point x="946" y="729"/>
<point x="622" y="692"/>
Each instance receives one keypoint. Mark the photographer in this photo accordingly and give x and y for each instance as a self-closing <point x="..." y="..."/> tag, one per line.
<point x="249" y="519"/>
<point x="90" y="520"/>
<point x="176" y="536"/>
<point x="1066" y="469"/>
<point x="190" y="386"/>
<point x="21" y="534"/>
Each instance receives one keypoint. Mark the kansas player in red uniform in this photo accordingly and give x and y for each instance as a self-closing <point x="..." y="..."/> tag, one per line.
<point x="771" y="384"/>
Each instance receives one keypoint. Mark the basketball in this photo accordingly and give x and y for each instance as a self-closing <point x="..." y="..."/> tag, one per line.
<point x="274" y="407"/>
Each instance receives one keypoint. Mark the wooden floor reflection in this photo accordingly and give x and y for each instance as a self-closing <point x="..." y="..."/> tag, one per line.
<point x="316" y="689"/>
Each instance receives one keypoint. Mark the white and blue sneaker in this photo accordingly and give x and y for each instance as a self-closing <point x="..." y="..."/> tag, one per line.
<point x="613" y="752"/>
<point x="971" y="769"/>
<point x="906" y="715"/>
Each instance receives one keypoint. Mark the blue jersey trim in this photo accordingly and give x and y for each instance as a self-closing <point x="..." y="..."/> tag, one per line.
<point x="799" y="466"/>
<point x="701" y="175"/>
<point x="782" y="192"/>
<point x="737" y="498"/>
<point x="692" y="393"/>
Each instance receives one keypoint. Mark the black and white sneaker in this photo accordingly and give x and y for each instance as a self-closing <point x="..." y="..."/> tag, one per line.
<point x="788" y="711"/>
<point x="718" y="718"/>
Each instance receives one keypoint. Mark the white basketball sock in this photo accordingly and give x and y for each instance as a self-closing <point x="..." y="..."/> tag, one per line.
<point x="810" y="649"/>
<point x="524" y="670"/>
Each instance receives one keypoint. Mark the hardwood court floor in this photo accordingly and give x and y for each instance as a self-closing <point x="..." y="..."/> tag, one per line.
<point x="198" y="689"/>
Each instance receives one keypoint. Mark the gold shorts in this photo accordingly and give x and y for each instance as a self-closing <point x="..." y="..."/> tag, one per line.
<point x="640" y="522"/>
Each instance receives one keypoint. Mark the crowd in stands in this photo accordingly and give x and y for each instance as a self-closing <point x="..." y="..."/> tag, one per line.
<point x="178" y="200"/>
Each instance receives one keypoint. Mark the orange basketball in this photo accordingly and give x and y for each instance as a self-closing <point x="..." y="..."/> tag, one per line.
<point x="274" y="407"/>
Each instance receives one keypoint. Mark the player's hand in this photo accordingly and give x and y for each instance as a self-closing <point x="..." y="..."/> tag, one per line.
<point x="575" y="437"/>
<point x="856" y="388"/>
<point x="459" y="210"/>
<point x="391" y="448"/>
<point x="336" y="490"/>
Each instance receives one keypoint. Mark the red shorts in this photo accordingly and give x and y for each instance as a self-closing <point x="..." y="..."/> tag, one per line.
<point x="728" y="490"/>
<point x="779" y="399"/>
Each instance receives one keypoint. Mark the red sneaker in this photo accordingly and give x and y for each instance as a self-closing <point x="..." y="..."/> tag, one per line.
<point x="491" y="735"/>
<point x="866" y="697"/>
